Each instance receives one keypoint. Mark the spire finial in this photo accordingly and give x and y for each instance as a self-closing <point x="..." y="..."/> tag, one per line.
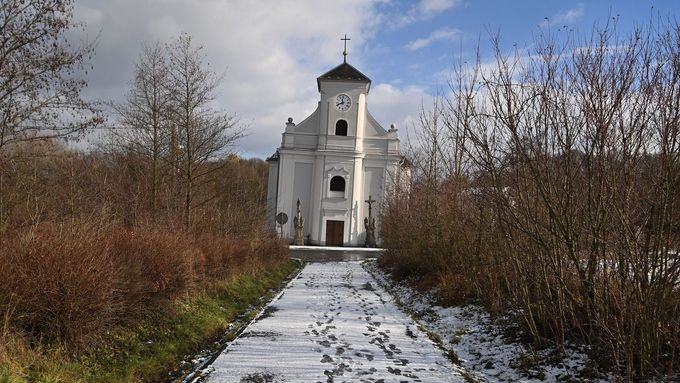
<point x="344" y="53"/>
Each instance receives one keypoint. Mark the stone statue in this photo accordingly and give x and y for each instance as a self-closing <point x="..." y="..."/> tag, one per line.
<point x="298" y="221"/>
<point x="369" y="224"/>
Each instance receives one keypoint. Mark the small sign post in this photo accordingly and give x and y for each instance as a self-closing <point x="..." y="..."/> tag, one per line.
<point x="281" y="219"/>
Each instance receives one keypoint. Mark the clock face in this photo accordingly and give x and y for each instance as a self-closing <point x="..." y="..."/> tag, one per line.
<point x="343" y="102"/>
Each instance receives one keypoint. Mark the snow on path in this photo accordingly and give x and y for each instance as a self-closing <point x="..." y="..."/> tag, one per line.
<point x="480" y="342"/>
<point x="333" y="323"/>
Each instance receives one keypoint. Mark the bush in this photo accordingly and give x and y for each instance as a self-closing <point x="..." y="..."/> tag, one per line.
<point x="549" y="184"/>
<point x="70" y="282"/>
<point x="59" y="283"/>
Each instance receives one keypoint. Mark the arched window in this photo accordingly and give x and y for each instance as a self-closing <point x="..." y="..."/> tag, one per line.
<point x="338" y="184"/>
<point x="341" y="128"/>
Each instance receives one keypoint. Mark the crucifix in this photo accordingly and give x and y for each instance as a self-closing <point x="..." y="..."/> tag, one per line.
<point x="344" y="53"/>
<point x="369" y="201"/>
<point x="369" y="224"/>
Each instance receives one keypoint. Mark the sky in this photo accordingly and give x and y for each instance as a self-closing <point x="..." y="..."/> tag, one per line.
<point x="272" y="51"/>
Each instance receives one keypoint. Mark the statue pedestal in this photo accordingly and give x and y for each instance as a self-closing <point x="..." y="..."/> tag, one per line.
<point x="299" y="241"/>
<point x="370" y="233"/>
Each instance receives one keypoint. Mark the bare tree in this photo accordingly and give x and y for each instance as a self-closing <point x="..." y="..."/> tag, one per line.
<point x="203" y="133"/>
<point x="40" y="72"/>
<point x="572" y="153"/>
<point x="145" y="115"/>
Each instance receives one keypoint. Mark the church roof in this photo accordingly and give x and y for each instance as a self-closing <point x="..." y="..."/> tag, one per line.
<point x="344" y="72"/>
<point x="274" y="157"/>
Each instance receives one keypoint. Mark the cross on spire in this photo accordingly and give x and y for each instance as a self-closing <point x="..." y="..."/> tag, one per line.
<point x="344" y="53"/>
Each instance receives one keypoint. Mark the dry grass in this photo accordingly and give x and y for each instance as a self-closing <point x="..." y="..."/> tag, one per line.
<point x="69" y="283"/>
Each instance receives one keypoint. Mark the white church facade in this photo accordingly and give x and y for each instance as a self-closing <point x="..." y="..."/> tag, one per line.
<point x="332" y="162"/>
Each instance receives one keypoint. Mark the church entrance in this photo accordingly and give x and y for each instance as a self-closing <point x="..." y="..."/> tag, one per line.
<point x="334" y="232"/>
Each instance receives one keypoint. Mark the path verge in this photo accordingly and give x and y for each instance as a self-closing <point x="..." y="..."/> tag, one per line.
<point x="485" y="346"/>
<point x="153" y="350"/>
<point x="332" y="323"/>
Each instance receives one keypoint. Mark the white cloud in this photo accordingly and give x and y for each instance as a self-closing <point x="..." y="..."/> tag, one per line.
<point x="423" y="10"/>
<point x="565" y="17"/>
<point x="399" y="105"/>
<point x="431" y="7"/>
<point x="438" y="35"/>
<point x="271" y="54"/>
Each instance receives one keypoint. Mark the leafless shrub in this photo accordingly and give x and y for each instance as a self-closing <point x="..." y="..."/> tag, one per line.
<point x="67" y="283"/>
<point x="59" y="280"/>
<point x="567" y="200"/>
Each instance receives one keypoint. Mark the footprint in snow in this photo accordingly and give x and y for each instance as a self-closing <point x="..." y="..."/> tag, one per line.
<point x="326" y="359"/>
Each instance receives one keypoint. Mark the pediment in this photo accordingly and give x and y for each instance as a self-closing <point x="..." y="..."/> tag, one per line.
<point x="337" y="170"/>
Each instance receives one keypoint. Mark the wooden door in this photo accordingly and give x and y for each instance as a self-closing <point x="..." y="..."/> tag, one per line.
<point x="334" y="233"/>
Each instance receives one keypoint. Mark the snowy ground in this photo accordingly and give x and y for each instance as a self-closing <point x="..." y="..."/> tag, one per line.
<point x="336" y="248"/>
<point x="333" y="323"/>
<point x="481" y="344"/>
<point x="325" y="254"/>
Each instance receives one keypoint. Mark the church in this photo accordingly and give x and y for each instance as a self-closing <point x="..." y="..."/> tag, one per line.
<point x="334" y="162"/>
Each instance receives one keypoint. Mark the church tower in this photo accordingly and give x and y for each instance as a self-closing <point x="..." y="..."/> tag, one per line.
<point x="332" y="162"/>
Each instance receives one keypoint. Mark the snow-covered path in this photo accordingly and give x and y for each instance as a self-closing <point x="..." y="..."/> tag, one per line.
<point x="333" y="323"/>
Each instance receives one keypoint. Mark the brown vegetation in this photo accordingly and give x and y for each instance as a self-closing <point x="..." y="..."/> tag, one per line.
<point x="100" y="241"/>
<point x="69" y="282"/>
<point x="144" y="236"/>
<point x="79" y="251"/>
<point x="549" y="183"/>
